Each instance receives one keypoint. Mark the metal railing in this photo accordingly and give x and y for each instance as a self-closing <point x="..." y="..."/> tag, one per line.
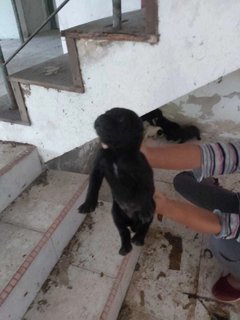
<point x="6" y="82"/>
<point x="117" y="18"/>
<point x="36" y="32"/>
<point x="117" y="14"/>
<point x="15" y="10"/>
<point x="3" y="63"/>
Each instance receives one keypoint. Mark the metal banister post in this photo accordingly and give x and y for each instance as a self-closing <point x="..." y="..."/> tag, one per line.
<point x="117" y="14"/>
<point x="7" y="84"/>
<point x="36" y="31"/>
<point x="17" y="20"/>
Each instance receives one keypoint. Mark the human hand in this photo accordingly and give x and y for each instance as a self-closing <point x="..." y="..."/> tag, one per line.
<point x="160" y="201"/>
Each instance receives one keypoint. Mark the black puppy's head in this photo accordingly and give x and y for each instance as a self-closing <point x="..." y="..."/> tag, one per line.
<point x="120" y="129"/>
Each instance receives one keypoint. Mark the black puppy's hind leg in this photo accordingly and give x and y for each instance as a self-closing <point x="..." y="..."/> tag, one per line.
<point x="124" y="233"/>
<point x="141" y="231"/>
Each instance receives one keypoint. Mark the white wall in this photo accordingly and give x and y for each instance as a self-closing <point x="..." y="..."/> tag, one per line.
<point x="78" y="12"/>
<point x="62" y="121"/>
<point x="8" y="26"/>
<point x="199" y="43"/>
<point x="215" y="108"/>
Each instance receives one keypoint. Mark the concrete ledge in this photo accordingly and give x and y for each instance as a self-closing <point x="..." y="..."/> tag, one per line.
<point x="54" y="73"/>
<point x="22" y="166"/>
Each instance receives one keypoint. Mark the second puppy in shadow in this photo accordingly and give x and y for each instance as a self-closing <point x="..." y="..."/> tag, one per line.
<point x="172" y="130"/>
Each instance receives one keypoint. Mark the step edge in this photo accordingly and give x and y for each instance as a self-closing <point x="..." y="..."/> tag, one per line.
<point x="19" y="158"/>
<point x="46" y="85"/>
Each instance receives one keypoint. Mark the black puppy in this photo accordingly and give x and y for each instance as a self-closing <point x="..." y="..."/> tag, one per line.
<point x="128" y="173"/>
<point x="172" y="130"/>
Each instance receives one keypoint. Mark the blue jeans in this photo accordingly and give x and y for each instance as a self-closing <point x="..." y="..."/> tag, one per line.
<point x="210" y="196"/>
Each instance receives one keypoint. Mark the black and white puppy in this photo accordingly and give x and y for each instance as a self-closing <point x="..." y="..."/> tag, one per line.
<point x="128" y="173"/>
<point x="172" y="130"/>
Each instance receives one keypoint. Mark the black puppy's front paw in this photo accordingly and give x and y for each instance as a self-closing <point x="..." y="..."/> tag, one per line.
<point x="137" y="240"/>
<point x="87" y="207"/>
<point x="125" y="249"/>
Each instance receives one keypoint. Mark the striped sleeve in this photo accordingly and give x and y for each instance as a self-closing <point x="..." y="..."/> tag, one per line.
<point x="230" y="225"/>
<point x="218" y="159"/>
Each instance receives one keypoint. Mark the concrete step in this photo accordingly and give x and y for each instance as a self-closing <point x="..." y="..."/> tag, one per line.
<point x="54" y="73"/>
<point x="34" y="230"/>
<point x="91" y="278"/>
<point x="19" y="166"/>
<point x="134" y="28"/>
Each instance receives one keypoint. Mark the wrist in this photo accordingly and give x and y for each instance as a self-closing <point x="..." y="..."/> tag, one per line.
<point x="161" y="203"/>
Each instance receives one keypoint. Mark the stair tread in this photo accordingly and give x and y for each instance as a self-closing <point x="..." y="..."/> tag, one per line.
<point x="53" y="73"/>
<point x="15" y="244"/>
<point x="6" y="113"/>
<point x="26" y="220"/>
<point x="132" y="22"/>
<point x="133" y="29"/>
<point x="9" y="151"/>
<point x="88" y="268"/>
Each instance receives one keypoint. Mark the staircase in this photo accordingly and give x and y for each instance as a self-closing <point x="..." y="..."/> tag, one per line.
<point x="58" y="264"/>
<point x="40" y="228"/>
<point x="38" y="218"/>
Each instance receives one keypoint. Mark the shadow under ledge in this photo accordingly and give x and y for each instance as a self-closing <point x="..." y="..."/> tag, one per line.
<point x="7" y="114"/>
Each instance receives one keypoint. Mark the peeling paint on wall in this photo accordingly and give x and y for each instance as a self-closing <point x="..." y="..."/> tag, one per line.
<point x="26" y="89"/>
<point x="204" y="101"/>
<point x="232" y="95"/>
<point x="215" y="112"/>
<point x="93" y="50"/>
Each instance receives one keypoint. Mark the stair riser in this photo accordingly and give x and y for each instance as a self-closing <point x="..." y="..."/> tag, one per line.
<point x="17" y="176"/>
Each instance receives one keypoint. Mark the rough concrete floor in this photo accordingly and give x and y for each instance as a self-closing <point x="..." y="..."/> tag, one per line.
<point x="44" y="46"/>
<point x="176" y="269"/>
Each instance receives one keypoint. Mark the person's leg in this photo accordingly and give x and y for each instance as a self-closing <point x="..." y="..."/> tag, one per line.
<point x="227" y="253"/>
<point x="205" y="194"/>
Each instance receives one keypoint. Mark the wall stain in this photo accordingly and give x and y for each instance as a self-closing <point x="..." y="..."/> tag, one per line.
<point x="205" y="117"/>
<point x="204" y="101"/>
<point x="176" y="251"/>
<point x="232" y="95"/>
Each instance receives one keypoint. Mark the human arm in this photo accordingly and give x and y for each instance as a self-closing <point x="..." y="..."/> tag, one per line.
<point x="173" y="156"/>
<point x="198" y="219"/>
<point x="222" y="225"/>
<point x="206" y="159"/>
